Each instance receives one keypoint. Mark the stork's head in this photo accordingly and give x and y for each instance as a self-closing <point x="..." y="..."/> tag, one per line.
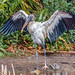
<point x="30" y="18"/>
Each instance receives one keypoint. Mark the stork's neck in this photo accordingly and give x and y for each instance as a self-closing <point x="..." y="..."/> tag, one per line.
<point x="31" y="22"/>
<point x="29" y="27"/>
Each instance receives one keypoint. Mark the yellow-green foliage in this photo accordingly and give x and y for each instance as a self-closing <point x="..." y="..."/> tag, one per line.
<point x="8" y="7"/>
<point x="42" y="9"/>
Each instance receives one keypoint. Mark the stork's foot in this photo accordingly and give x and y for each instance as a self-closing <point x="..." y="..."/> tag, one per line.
<point x="45" y="67"/>
<point x="36" y="72"/>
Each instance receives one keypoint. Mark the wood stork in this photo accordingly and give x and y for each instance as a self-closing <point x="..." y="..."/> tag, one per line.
<point x="55" y="26"/>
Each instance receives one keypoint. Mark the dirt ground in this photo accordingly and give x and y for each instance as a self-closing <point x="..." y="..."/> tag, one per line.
<point x="26" y="64"/>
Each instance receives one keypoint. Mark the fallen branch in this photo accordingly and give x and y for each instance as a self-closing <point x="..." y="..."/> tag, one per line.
<point x="69" y="52"/>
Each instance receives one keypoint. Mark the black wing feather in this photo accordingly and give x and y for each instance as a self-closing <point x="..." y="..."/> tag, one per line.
<point x="57" y="31"/>
<point x="61" y="21"/>
<point x="69" y="23"/>
<point x="14" y="23"/>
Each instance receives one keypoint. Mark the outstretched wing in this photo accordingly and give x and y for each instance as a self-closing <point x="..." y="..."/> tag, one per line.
<point x="58" y="23"/>
<point x="14" y="23"/>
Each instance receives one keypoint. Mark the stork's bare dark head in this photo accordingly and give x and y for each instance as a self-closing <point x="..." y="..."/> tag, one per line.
<point x="30" y="18"/>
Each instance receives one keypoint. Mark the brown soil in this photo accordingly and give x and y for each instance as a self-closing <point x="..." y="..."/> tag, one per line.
<point x="26" y="64"/>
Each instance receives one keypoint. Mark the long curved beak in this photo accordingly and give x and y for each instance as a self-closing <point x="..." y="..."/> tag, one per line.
<point x="25" y="24"/>
<point x="31" y="17"/>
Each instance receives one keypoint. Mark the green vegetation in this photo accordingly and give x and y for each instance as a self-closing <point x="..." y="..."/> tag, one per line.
<point x="43" y="10"/>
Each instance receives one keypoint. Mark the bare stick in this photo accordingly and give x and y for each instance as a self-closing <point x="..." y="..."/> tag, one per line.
<point x="5" y="70"/>
<point x="20" y="74"/>
<point x="2" y="67"/>
<point x="13" y="69"/>
<point x="9" y="72"/>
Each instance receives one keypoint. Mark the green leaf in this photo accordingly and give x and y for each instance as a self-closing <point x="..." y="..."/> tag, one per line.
<point x="1" y="54"/>
<point x="3" y="50"/>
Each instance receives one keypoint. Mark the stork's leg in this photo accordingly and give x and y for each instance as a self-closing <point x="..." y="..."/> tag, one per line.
<point x="36" y="71"/>
<point x="36" y="56"/>
<point x="45" y="67"/>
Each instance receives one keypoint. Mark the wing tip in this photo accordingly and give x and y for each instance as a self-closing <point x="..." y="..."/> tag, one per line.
<point x="24" y="12"/>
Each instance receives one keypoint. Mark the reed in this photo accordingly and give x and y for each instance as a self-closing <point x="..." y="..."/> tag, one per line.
<point x="4" y="70"/>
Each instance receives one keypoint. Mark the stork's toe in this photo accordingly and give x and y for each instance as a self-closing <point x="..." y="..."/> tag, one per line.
<point x="45" y="67"/>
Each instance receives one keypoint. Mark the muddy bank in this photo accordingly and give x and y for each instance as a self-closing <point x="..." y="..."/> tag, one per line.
<point x="26" y="64"/>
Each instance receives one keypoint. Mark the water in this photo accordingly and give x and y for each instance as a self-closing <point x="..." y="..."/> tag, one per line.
<point x="48" y="72"/>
